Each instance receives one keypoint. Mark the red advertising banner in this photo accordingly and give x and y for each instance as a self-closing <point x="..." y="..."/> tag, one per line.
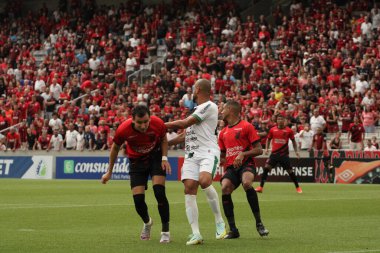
<point x="351" y="166"/>
<point x="303" y="168"/>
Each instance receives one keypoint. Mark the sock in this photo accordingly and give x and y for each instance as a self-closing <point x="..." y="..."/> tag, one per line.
<point x="228" y="207"/>
<point x="254" y="203"/>
<point x="264" y="177"/>
<point x="331" y="176"/>
<point x="141" y="207"/>
<point x="163" y="206"/>
<point x="213" y="200"/>
<point x="294" y="178"/>
<point x="192" y="212"/>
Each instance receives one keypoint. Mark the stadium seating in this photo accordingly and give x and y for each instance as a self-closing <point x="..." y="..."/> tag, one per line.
<point x="312" y="58"/>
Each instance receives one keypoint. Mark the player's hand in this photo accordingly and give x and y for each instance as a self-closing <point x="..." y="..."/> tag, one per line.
<point x="298" y="155"/>
<point x="238" y="160"/>
<point x="266" y="152"/>
<point x="106" y="177"/>
<point x="166" y="167"/>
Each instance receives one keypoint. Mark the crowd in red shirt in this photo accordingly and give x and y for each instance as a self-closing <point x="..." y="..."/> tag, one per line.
<point x="321" y="56"/>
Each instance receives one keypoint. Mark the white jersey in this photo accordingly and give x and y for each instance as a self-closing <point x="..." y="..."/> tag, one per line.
<point x="71" y="139"/>
<point x="306" y="139"/>
<point x="201" y="138"/>
<point x="56" y="142"/>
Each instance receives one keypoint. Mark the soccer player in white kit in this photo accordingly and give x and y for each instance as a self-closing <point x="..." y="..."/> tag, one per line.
<point x="202" y="156"/>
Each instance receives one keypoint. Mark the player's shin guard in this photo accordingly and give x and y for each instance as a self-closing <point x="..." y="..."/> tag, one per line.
<point x="264" y="177"/>
<point x="254" y="203"/>
<point x="228" y="207"/>
<point x="213" y="200"/>
<point x="293" y="178"/>
<point x="192" y="212"/>
<point x="163" y="206"/>
<point x="141" y="207"/>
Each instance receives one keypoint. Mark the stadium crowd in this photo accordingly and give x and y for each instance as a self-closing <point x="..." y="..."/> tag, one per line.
<point x="318" y="66"/>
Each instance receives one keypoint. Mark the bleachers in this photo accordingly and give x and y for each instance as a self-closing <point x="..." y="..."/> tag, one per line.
<point x="278" y="57"/>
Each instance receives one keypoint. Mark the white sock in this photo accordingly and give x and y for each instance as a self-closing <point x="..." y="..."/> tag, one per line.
<point x="150" y="221"/>
<point x="192" y="212"/>
<point x="213" y="200"/>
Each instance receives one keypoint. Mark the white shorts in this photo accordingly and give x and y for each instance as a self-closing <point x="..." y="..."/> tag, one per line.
<point x="194" y="165"/>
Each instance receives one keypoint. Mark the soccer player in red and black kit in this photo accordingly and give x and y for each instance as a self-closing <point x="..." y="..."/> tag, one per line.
<point x="279" y="137"/>
<point x="239" y="143"/>
<point x="146" y="148"/>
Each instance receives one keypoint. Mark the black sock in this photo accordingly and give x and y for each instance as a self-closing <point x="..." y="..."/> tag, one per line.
<point x="331" y="176"/>
<point x="228" y="207"/>
<point x="264" y="177"/>
<point x="163" y="206"/>
<point x="254" y="203"/>
<point x="294" y="178"/>
<point x="141" y="207"/>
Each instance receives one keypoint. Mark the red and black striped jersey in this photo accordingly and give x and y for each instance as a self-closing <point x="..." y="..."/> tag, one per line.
<point x="280" y="138"/>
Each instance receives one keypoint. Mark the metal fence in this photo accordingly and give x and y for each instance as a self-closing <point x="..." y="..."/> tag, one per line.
<point x="146" y="71"/>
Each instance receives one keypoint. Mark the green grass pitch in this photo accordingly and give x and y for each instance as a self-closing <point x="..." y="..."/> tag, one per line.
<point x="86" y="216"/>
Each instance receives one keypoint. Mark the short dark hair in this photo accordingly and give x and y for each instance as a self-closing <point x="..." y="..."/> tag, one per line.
<point x="236" y="107"/>
<point x="140" y="111"/>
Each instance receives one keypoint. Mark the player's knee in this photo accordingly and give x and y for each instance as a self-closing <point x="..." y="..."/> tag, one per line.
<point x="246" y="185"/>
<point x="191" y="187"/>
<point x="290" y="171"/>
<point x="159" y="192"/>
<point x="205" y="182"/>
<point x="227" y="188"/>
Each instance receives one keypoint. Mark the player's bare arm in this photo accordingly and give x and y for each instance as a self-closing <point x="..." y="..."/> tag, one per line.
<point x="295" y="148"/>
<point x="113" y="155"/>
<point x="267" y="145"/>
<point x="165" y="164"/>
<point x="262" y="134"/>
<point x="256" y="150"/>
<point x="182" y="124"/>
<point x="222" y="156"/>
<point x="178" y="139"/>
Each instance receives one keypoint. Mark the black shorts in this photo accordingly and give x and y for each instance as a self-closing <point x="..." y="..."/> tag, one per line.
<point x="282" y="160"/>
<point x="235" y="175"/>
<point x="141" y="168"/>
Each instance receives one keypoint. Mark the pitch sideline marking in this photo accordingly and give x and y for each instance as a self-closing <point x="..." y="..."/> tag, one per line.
<point x="357" y="251"/>
<point x="32" y="205"/>
<point x="26" y="230"/>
